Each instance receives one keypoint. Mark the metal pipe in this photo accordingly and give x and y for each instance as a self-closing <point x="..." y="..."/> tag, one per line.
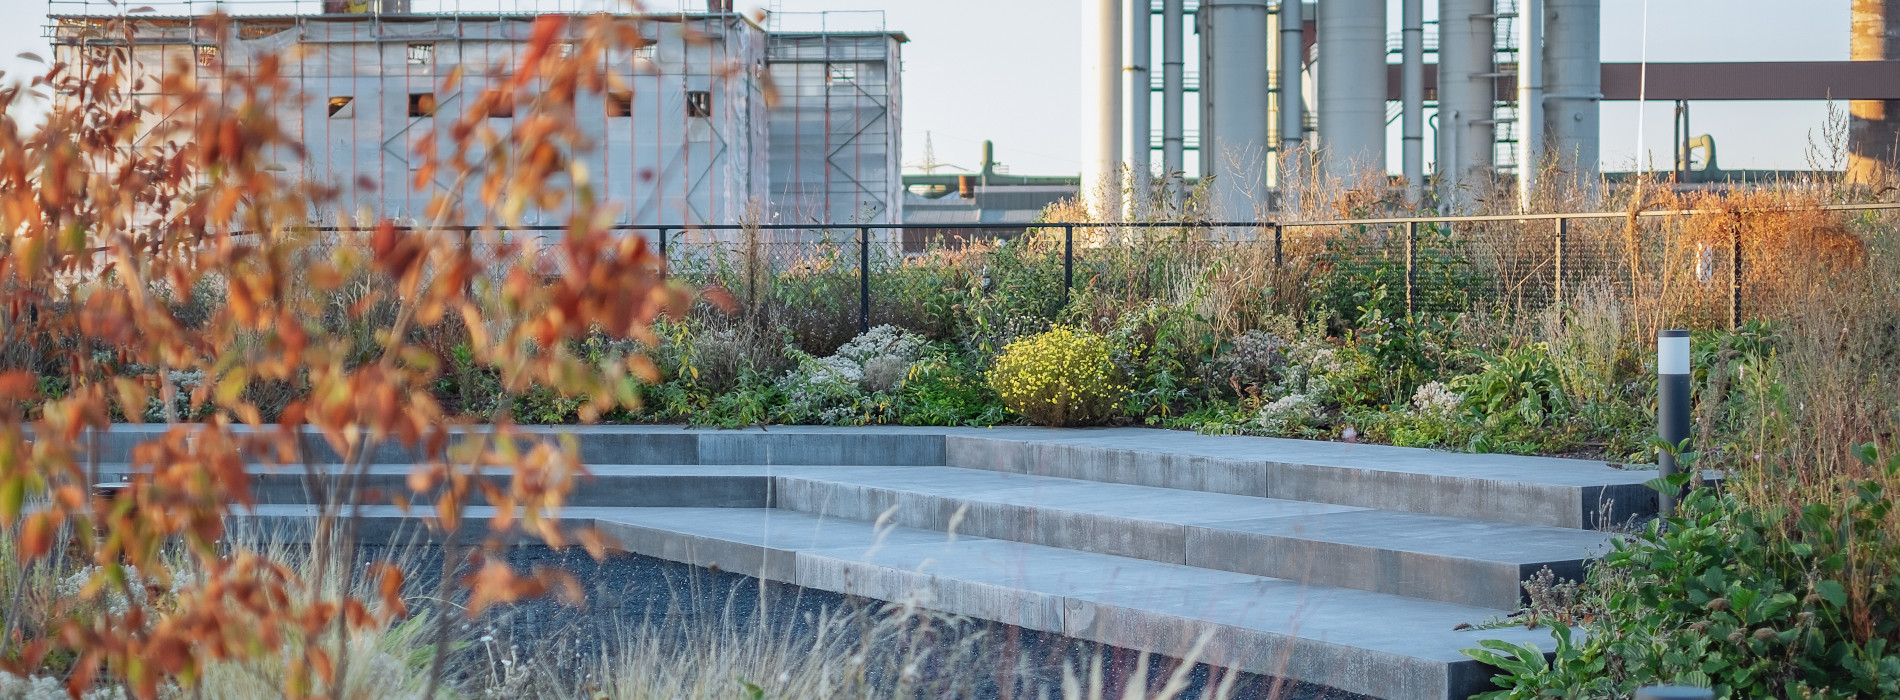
<point x="1292" y="63"/>
<point x="1102" y="109"/>
<point x="1873" y="132"/>
<point x="1412" y="96"/>
<point x="1530" y="99"/>
<point x="1234" y="133"/>
<point x="1173" y="95"/>
<point x="1352" y="87"/>
<point x="1467" y="89"/>
<point x="1173" y="92"/>
<point x="1573" y="85"/>
<point x="1140" y="91"/>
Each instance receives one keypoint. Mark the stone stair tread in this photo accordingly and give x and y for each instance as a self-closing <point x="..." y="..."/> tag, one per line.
<point x="1373" y="643"/>
<point x="1399" y="530"/>
<point x="1370" y="643"/>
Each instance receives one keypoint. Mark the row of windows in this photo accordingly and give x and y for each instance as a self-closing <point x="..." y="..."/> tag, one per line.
<point x="619" y="104"/>
<point x="418" y="54"/>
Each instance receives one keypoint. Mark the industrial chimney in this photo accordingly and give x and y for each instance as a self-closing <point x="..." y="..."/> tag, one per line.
<point x="1873" y="132"/>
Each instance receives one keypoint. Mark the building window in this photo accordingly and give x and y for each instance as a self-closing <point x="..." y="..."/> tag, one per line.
<point x="619" y="103"/>
<point x="500" y="105"/>
<point x="421" y="54"/>
<point x="842" y="75"/>
<point x="207" y="56"/>
<point x="342" y="108"/>
<point x="422" y="104"/>
<point x="698" y="103"/>
<point x="567" y="49"/>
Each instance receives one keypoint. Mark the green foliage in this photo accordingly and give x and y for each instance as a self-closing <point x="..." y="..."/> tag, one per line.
<point x="1365" y="274"/>
<point x="943" y="389"/>
<point x="1063" y="377"/>
<point x="1752" y="601"/>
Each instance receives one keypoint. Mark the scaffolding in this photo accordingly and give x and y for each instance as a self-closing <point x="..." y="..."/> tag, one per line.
<point x="685" y="144"/>
<point x="836" y="141"/>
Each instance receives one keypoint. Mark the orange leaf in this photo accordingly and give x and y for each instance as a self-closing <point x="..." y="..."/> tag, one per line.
<point x="36" y="535"/>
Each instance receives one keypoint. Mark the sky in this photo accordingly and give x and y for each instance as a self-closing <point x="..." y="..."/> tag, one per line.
<point x="1007" y="71"/>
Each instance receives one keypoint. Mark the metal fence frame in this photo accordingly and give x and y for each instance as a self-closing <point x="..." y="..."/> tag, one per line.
<point x="1560" y="224"/>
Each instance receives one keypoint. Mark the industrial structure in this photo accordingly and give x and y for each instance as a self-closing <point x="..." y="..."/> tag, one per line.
<point x="1515" y="89"/>
<point x="691" y="140"/>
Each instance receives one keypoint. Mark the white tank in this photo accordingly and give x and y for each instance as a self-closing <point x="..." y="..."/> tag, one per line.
<point x="1467" y="88"/>
<point x="1101" y="117"/>
<point x="1234" y="81"/>
<point x="1352" y="87"/>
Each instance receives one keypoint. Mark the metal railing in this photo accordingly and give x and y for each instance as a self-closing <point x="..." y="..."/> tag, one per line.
<point x="1275" y="234"/>
<point x="669" y="239"/>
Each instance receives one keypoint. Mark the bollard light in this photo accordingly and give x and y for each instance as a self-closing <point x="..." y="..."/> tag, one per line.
<point x="1672" y="403"/>
<point x="1674" y="692"/>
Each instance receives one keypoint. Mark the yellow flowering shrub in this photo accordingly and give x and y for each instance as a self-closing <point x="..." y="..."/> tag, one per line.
<point x="1062" y="377"/>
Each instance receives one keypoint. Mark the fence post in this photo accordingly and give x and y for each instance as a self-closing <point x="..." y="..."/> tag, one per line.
<point x="1279" y="260"/>
<point x="662" y="241"/>
<point x="1068" y="261"/>
<point x="1734" y="274"/>
<point x="1411" y="267"/>
<point x="864" y="279"/>
<point x="1563" y="228"/>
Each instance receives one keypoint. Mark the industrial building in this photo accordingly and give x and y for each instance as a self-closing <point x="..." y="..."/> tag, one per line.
<point x="691" y="141"/>
<point x="1498" y="84"/>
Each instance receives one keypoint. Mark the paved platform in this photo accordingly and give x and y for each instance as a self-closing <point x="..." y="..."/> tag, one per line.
<point x="1342" y="565"/>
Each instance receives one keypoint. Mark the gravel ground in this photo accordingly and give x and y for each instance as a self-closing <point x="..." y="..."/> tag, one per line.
<point x="638" y="597"/>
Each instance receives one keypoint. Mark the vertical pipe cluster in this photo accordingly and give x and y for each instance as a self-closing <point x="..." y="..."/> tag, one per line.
<point x="1412" y="96"/>
<point x="1234" y="131"/>
<point x="1352" y="87"/>
<point x="1173" y="93"/>
<point x="1102" y="108"/>
<point x="1530" y="99"/>
<point x="1466" y="91"/>
<point x="1573" y="85"/>
<point x="1873" y="130"/>
<point x="1140" y="104"/>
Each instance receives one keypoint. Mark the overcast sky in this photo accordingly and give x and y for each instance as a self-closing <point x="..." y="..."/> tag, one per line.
<point x="1006" y="70"/>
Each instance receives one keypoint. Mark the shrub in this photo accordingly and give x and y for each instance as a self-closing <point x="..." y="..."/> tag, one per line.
<point x="1750" y="601"/>
<point x="1251" y="359"/>
<point x="1062" y="377"/>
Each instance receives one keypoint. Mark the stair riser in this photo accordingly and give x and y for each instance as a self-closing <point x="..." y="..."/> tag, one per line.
<point x="1411" y="574"/>
<point x="1473" y="498"/>
<point x="676" y="491"/>
<point x="738" y="447"/>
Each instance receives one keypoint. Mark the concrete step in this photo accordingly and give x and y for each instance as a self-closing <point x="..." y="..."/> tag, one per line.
<point x="1362" y="642"/>
<point x="1424" y="556"/>
<point x="1504" y="488"/>
<point x="1432" y="557"/>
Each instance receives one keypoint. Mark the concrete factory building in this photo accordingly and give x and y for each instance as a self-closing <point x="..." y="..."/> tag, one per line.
<point x="692" y="140"/>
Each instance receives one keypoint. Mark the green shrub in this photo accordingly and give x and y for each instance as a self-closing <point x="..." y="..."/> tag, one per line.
<point x="1781" y="601"/>
<point x="1062" y="377"/>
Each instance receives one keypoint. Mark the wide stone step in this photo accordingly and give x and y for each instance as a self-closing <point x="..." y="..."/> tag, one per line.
<point x="1362" y="642"/>
<point x="1425" y="556"/>
<point x="1505" y="488"/>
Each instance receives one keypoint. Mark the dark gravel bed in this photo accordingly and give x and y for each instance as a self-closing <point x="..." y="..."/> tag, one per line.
<point x="546" y="648"/>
